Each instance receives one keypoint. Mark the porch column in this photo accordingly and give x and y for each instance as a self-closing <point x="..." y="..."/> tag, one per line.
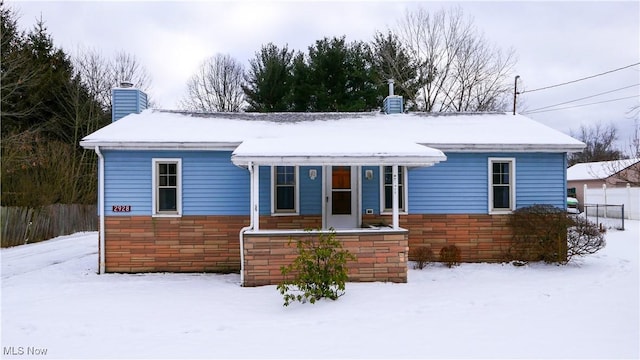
<point x="255" y="197"/>
<point x="394" y="202"/>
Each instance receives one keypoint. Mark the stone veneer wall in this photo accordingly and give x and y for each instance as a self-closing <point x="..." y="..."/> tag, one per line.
<point x="480" y="237"/>
<point x="211" y="243"/>
<point x="185" y="244"/>
<point x="381" y="255"/>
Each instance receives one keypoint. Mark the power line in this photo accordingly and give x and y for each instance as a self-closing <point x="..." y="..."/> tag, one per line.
<point x="585" y="78"/>
<point x="581" y="105"/>
<point x="583" y="98"/>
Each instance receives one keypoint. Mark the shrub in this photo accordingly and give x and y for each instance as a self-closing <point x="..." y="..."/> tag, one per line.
<point x="539" y="234"/>
<point x="319" y="271"/>
<point x="584" y="238"/>
<point x="422" y="255"/>
<point x="546" y="233"/>
<point x="450" y="255"/>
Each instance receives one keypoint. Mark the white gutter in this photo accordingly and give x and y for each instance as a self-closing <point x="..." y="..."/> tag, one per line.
<point x="246" y="228"/>
<point x="101" y="268"/>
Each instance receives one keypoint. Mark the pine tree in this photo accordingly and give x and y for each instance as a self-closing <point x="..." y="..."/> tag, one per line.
<point x="269" y="79"/>
<point x="335" y="76"/>
<point x="390" y="60"/>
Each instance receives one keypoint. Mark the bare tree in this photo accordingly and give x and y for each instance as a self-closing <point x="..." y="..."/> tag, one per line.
<point x="457" y="69"/>
<point x="216" y="86"/>
<point x="100" y="74"/>
<point x="94" y="72"/>
<point x="600" y="141"/>
<point x="634" y="141"/>
<point x="126" y="67"/>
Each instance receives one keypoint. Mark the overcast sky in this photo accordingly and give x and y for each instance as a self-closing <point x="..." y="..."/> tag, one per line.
<point x="555" y="42"/>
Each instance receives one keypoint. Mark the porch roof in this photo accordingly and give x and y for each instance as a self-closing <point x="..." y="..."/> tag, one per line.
<point x="336" y="150"/>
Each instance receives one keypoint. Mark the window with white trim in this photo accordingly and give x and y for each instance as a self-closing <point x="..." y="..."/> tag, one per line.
<point x="387" y="189"/>
<point x="285" y="190"/>
<point x="502" y="184"/>
<point x="167" y="187"/>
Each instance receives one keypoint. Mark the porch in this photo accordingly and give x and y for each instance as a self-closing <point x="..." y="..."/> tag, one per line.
<point x="381" y="252"/>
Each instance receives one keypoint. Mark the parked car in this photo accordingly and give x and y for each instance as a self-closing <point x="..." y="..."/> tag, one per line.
<point x="572" y="206"/>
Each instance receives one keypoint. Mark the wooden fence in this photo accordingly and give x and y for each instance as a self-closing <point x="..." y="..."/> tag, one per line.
<point x="22" y="225"/>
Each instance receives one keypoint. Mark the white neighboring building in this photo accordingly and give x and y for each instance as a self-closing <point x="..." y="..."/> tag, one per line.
<point x="613" y="174"/>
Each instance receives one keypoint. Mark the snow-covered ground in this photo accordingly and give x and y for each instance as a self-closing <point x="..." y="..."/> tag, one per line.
<point x="53" y="301"/>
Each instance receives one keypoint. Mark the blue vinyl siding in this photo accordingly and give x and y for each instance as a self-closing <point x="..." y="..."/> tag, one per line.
<point x="310" y="191"/>
<point x="541" y="179"/>
<point x="371" y="190"/>
<point x="211" y="184"/>
<point x="460" y="184"/>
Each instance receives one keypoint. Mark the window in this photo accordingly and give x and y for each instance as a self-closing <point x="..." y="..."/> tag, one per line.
<point x="167" y="187"/>
<point x="501" y="184"/>
<point x="387" y="189"/>
<point x="285" y="192"/>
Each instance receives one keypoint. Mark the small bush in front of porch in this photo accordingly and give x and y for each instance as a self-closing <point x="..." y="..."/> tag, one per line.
<point x="320" y="270"/>
<point x="422" y="255"/>
<point x="450" y="255"/>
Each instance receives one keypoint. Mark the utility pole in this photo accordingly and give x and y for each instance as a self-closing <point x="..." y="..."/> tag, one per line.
<point x="515" y="93"/>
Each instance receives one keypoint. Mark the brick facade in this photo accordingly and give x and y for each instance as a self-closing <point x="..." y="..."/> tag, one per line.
<point x="185" y="244"/>
<point x="380" y="255"/>
<point x="480" y="237"/>
<point x="211" y="244"/>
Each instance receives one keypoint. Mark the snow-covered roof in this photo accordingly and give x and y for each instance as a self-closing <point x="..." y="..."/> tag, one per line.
<point x="318" y="151"/>
<point x="162" y="129"/>
<point x="598" y="170"/>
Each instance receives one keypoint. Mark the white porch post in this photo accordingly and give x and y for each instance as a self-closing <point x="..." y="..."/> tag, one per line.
<point x="255" y="197"/>
<point x="395" y="215"/>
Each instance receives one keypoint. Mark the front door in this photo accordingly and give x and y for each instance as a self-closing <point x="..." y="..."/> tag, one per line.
<point x="341" y="197"/>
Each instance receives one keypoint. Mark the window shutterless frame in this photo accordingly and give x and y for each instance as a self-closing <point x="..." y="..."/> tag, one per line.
<point x="386" y="189"/>
<point x="285" y="191"/>
<point x="166" y="198"/>
<point x="502" y="185"/>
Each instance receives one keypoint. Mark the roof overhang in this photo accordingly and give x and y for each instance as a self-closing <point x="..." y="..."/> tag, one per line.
<point x="173" y="145"/>
<point x="230" y="146"/>
<point x="510" y="147"/>
<point x="335" y="151"/>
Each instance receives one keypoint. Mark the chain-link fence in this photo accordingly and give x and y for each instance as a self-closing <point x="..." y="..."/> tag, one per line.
<point x="606" y="216"/>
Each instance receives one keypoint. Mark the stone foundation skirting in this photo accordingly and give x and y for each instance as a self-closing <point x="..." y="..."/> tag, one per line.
<point x="381" y="255"/>
<point x="480" y="237"/>
<point x="211" y="244"/>
<point x="185" y="244"/>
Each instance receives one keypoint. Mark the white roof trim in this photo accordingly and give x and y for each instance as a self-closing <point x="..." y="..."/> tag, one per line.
<point x="335" y="151"/>
<point x="122" y="145"/>
<point x="230" y="146"/>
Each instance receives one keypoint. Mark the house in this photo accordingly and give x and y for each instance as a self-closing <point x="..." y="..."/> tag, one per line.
<point x="221" y="192"/>
<point x="616" y="173"/>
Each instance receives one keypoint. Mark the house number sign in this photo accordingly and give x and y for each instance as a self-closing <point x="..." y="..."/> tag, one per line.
<point x="121" y="208"/>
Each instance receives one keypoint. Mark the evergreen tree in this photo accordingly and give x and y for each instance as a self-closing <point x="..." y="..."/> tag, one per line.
<point x="269" y="79"/>
<point x="303" y="96"/>
<point x="335" y="76"/>
<point x="18" y="76"/>
<point x="390" y="60"/>
<point x="45" y="112"/>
